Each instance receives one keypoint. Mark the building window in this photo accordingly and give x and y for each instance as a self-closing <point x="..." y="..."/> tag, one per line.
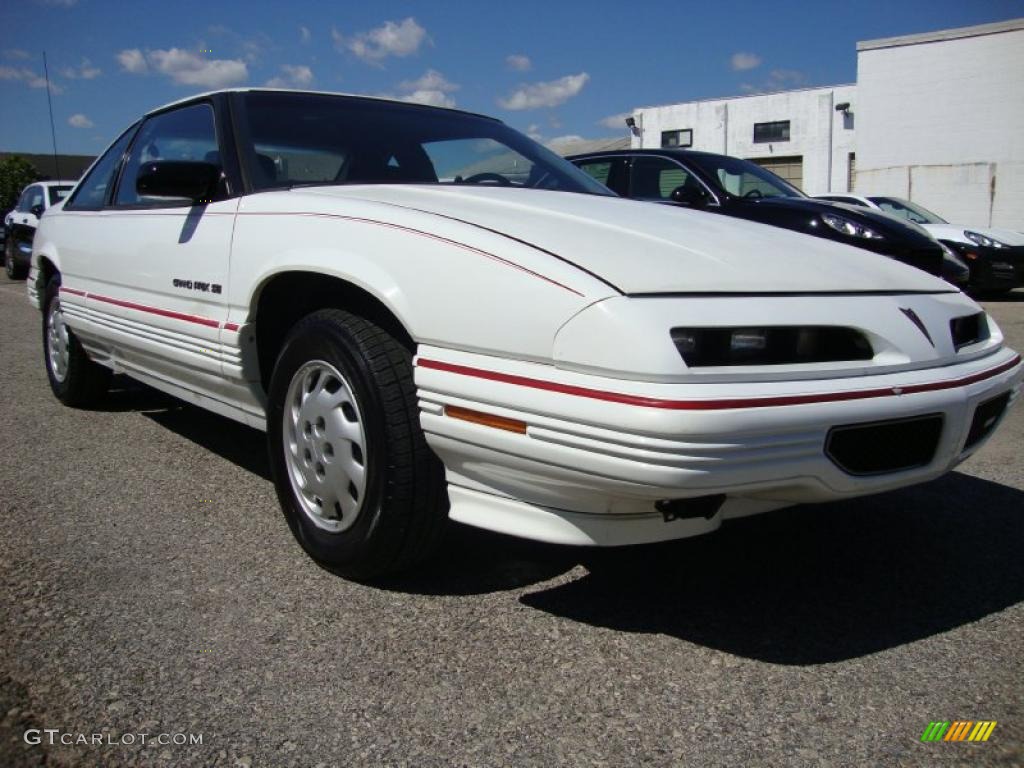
<point x="851" y="171"/>
<point x="766" y="132"/>
<point x="681" y="138"/>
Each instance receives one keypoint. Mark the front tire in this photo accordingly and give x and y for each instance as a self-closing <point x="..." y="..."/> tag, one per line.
<point x="361" y="490"/>
<point x="12" y="268"/>
<point x="75" y="379"/>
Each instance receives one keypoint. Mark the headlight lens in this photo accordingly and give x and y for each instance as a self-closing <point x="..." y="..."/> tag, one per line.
<point x="770" y="345"/>
<point x="849" y="227"/>
<point x="985" y="242"/>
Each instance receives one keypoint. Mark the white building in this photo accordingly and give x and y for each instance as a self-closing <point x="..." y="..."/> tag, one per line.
<point x="797" y="134"/>
<point x="937" y="118"/>
<point x="942" y="121"/>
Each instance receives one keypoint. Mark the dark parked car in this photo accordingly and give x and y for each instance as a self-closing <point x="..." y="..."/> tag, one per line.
<point x="20" y="224"/>
<point x="740" y="188"/>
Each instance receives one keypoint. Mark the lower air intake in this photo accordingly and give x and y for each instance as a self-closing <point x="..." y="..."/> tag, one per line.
<point x="884" y="446"/>
<point x="986" y="417"/>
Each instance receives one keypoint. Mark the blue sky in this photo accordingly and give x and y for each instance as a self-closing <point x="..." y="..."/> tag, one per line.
<point x="552" y="69"/>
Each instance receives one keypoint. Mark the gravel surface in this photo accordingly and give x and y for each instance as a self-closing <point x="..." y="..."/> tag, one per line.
<point x="150" y="585"/>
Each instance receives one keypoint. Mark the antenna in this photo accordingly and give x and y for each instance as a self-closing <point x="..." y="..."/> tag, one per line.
<point x="53" y="131"/>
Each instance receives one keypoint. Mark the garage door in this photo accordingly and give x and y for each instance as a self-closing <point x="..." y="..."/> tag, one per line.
<point x="789" y="168"/>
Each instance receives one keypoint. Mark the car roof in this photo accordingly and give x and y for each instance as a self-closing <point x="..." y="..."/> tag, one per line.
<point x="362" y="97"/>
<point x="671" y="152"/>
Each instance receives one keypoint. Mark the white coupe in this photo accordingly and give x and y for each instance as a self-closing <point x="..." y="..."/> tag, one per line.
<point x="432" y="316"/>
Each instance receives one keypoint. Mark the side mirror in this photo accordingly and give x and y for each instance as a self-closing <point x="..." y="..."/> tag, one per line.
<point x="193" y="181"/>
<point x="37" y="210"/>
<point x="693" y="196"/>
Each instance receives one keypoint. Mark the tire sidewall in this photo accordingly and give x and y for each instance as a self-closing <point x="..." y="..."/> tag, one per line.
<point x="334" y="344"/>
<point x="60" y="388"/>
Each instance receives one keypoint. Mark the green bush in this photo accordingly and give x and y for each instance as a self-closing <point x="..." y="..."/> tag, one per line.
<point x="16" y="173"/>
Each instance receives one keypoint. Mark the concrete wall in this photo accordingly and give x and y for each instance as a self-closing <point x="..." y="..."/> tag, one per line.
<point x="942" y="122"/>
<point x="727" y="126"/>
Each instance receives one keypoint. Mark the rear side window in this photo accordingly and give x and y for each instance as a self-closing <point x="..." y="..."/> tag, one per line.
<point x="91" y="193"/>
<point x="187" y="133"/>
<point x="654" y="178"/>
<point x="598" y="170"/>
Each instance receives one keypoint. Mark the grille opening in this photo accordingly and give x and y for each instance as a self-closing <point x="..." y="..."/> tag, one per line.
<point x="969" y="329"/>
<point x="884" y="446"/>
<point x="770" y="345"/>
<point x="986" y="418"/>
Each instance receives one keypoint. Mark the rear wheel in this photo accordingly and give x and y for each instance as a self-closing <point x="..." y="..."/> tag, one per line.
<point x="361" y="490"/>
<point x="74" y="378"/>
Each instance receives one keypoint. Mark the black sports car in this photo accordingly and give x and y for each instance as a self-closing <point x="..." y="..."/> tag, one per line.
<point x="735" y="187"/>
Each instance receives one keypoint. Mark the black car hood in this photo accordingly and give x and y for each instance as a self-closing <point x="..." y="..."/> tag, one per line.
<point x="882" y="223"/>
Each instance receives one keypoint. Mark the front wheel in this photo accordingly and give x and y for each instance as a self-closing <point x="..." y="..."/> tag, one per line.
<point x="74" y="378"/>
<point x="12" y="268"/>
<point x="361" y="490"/>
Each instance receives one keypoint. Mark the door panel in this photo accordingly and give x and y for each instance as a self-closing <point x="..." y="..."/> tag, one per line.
<point x="152" y="270"/>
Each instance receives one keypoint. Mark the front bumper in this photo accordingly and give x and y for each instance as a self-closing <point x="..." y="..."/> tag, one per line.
<point x="598" y="454"/>
<point x="993" y="269"/>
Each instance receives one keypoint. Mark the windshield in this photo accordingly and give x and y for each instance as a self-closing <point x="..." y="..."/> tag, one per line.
<point x="301" y="139"/>
<point x="59" y="193"/>
<point x="742" y="178"/>
<point x="905" y="209"/>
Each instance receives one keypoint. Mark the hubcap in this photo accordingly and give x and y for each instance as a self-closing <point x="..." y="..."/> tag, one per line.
<point x="325" y="446"/>
<point x="57" y="342"/>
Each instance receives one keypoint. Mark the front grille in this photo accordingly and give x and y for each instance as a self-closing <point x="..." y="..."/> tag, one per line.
<point x="986" y="417"/>
<point x="884" y="446"/>
<point x="969" y="329"/>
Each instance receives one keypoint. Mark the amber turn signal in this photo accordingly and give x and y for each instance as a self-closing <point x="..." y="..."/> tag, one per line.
<point x="487" y="419"/>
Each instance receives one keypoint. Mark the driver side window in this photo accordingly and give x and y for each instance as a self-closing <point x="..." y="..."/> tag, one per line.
<point x="26" y="201"/>
<point x="187" y="134"/>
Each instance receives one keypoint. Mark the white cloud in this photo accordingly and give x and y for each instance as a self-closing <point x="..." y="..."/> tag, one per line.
<point x="533" y="131"/>
<point x="615" y="121"/>
<point x="132" y="60"/>
<point x="549" y="94"/>
<point x="403" y="38"/>
<point x="744" y="60"/>
<point x="58" y="3"/>
<point x="292" y="76"/>
<point x="518" y="62"/>
<point x="304" y="34"/>
<point x="561" y="141"/>
<point x="28" y="76"/>
<point x="185" y="67"/>
<point x="79" y="120"/>
<point x="431" y="88"/>
<point x="778" y="80"/>
<point x="17" y="53"/>
<point x="86" y="71"/>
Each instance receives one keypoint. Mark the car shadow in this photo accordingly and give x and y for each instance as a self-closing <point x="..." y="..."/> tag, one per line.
<point x="802" y="586"/>
<point x="1003" y="298"/>
<point x="239" y="444"/>
<point x="817" y="584"/>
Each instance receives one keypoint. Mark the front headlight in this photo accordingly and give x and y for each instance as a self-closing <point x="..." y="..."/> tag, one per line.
<point x="849" y="227"/>
<point x="979" y="239"/>
<point x="770" y="345"/>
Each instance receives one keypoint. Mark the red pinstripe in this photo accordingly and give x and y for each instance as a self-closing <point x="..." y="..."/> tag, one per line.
<point x="714" y="405"/>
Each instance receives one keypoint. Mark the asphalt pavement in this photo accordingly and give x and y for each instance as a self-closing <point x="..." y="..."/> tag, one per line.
<point x="149" y="585"/>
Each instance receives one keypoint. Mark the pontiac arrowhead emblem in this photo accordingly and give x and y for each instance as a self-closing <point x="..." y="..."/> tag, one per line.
<point x="912" y="317"/>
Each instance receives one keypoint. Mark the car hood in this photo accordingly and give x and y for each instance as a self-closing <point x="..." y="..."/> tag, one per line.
<point x="639" y="247"/>
<point x="955" y="233"/>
